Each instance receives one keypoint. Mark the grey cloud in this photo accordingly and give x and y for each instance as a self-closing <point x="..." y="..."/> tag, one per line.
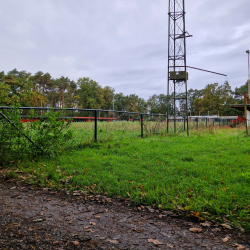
<point x="123" y="43"/>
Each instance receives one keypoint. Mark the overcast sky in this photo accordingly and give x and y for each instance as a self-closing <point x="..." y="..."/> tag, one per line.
<point x="123" y="43"/>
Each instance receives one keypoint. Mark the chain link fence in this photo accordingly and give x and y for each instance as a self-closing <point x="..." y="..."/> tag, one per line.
<point x="81" y="127"/>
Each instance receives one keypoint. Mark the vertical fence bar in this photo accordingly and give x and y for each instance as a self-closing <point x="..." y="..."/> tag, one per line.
<point x="246" y="126"/>
<point x="95" y="134"/>
<point x="184" y="124"/>
<point x="141" y="125"/>
<point x="197" y="123"/>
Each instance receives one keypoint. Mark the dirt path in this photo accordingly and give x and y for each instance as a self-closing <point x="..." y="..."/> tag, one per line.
<point x="40" y="219"/>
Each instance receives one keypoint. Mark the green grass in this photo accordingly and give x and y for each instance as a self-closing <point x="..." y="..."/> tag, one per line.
<point x="207" y="172"/>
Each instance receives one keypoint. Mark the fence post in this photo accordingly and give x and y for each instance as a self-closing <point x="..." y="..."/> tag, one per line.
<point x="197" y="123"/>
<point x="246" y="126"/>
<point x="141" y="125"/>
<point x="95" y="134"/>
<point x="184" y="124"/>
<point x="206" y="122"/>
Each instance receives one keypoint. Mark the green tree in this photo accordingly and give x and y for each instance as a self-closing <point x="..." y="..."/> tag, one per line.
<point x="90" y="94"/>
<point x="239" y="93"/>
<point x="214" y="100"/>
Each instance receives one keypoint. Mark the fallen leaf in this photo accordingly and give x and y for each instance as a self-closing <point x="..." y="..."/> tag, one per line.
<point x="90" y="230"/>
<point x="114" y="241"/>
<point x="92" y="223"/>
<point x="56" y="242"/>
<point x="206" y="224"/>
<point x="168" y="245"/>
<point x="225" y="239"/>
<point x="76" y="243"/>
<point x="151" y="210"/>
<point x="226" y="226"/>
<point x="241" y="229"/>
<point x="38" y="220"/>
<point x="156" y="242"/>
<point x="15" y="224"/>
<point x="195" y="230"/>
<point x="239" y="247"/>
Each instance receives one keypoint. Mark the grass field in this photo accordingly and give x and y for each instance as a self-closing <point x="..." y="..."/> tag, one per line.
<point x="84" y="131"/>
<point x="205" y="175"/>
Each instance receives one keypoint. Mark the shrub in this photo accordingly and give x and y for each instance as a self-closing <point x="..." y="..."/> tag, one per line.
<point x="45" y="136"/>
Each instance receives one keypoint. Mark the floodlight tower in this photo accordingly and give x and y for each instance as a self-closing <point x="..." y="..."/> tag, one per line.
<point x="177" y="68"/>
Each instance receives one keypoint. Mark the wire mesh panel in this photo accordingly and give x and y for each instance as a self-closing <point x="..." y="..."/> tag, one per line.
<point x="82" y="125"/>
<point x="154" y="125"/>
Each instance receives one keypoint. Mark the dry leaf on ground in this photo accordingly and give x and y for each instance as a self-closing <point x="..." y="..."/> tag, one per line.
<point x="114" y="241"/>
<point x="241" y="229"/>
<point x="206" y="224"/>
<point x="155" y="241"/>
<point x="239" y="247"/>
<point x="195" y="230"/>
<point x="89" y="230"/>
<point x="225" y="239"/>
<point x="75" y="243"/>
<point x="168" y="245"/>
<point x="56" y="242"/>
<point x="92" y="223"/>
<point x="226" y="226"/>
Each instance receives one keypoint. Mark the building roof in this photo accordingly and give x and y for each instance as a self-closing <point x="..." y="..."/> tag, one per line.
<point x="239" y="106"/>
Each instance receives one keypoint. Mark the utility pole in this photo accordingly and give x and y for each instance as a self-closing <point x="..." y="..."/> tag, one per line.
<point x="248" y="96"/>
<point x="248" y="52"/>
<point x="177" y="68"/>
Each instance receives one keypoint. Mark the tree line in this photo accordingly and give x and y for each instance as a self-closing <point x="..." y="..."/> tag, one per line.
<point x="41" y="90"/>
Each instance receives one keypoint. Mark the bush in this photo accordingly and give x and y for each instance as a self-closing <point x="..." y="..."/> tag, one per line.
<point x="45" y="136"/>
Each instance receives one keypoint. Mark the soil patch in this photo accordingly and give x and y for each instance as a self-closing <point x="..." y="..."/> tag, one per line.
<point x="35" y="218"/>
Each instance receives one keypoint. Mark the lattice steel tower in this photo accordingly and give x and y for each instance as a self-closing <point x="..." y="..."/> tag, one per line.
<point x="177" y="68"/>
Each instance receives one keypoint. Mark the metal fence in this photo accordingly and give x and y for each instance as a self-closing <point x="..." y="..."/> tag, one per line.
<point x="92" y="125"/>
